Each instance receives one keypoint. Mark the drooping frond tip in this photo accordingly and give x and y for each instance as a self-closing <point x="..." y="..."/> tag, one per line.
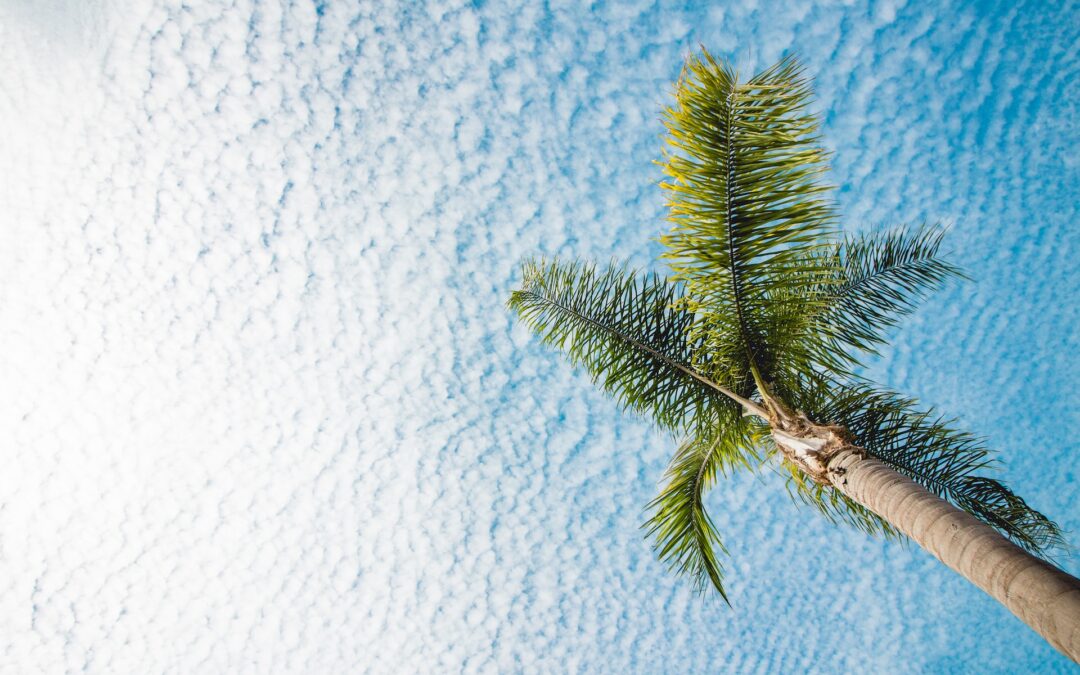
<point x="684" y="535"/>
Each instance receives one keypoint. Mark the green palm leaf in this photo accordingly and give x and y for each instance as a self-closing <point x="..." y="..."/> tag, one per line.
<point x="628" y="331"/>
<point x="746" y="208"/>
<point x="684" y="534"/>
<point x="881" y="277"/>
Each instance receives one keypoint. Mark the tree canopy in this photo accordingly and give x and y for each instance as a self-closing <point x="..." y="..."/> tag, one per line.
<point x="768" y="307"/>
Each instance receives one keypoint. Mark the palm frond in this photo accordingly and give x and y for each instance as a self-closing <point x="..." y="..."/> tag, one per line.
<point x="880" y="278"/>
<point x="745" y="204"/>
<point x="931" y="451"/>
<point x="683" y="533"/>
<point x="627" y="331"/>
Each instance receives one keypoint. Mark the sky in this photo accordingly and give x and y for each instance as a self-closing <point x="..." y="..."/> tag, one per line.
<point x="263" y="409"/>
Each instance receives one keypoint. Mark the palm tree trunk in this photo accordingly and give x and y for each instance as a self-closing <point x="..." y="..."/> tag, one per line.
<point x="1043" y="596"/>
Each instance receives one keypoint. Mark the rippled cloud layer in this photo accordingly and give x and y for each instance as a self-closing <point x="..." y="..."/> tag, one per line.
<point x="263" y="409"/>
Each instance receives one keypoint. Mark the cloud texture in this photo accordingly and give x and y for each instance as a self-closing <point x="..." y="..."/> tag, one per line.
<point x="263" y="410"/>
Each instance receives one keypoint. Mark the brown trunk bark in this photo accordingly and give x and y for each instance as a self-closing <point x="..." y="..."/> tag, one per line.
<point x="1041" y="595"/>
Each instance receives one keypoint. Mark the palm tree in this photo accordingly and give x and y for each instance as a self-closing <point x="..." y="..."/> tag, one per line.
<point x="749" y="352"/>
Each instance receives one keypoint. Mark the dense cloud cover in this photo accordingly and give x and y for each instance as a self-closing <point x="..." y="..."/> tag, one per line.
<point x="263" y="409"/>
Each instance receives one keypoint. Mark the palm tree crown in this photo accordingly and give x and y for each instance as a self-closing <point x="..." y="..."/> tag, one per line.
<point x="761" y="325"/>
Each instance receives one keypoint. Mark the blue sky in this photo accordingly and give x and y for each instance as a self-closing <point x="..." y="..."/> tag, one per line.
<point x="263" y="406"/>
